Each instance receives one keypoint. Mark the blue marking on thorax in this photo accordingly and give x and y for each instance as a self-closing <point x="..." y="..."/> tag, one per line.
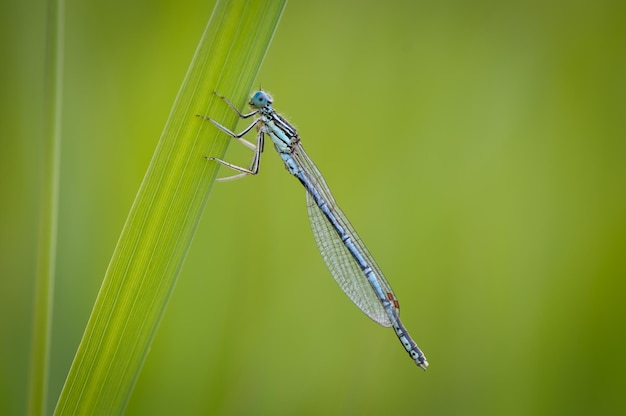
<point x="281" y="141"/>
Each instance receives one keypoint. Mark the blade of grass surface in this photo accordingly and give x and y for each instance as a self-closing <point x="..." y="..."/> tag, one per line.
<point x="167" y="209"/>
<point x="48" y="217"/>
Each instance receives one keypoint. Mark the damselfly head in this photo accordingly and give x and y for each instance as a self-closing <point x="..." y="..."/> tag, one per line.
<point x="260" y="99"/>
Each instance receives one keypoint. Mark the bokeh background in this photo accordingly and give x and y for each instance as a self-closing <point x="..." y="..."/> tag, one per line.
<point x="478" y="147"/>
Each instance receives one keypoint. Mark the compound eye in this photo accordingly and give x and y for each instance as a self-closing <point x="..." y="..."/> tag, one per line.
<point x="260" y="99"/>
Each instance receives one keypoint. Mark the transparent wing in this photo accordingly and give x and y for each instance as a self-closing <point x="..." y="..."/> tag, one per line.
<point x="343" y="267"/>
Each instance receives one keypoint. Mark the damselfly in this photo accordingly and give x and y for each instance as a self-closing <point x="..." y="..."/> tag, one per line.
<point x="350" y="263"/>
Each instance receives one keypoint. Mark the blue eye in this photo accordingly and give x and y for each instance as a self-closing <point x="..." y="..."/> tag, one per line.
<point x="260" y="99"/>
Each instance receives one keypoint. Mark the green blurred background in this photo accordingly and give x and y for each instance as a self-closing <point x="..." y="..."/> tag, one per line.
<point x="478" y="147"/>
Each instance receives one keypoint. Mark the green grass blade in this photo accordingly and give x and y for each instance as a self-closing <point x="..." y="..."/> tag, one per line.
<point x="48" y="217"/>
<point x="167" y="209"/>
